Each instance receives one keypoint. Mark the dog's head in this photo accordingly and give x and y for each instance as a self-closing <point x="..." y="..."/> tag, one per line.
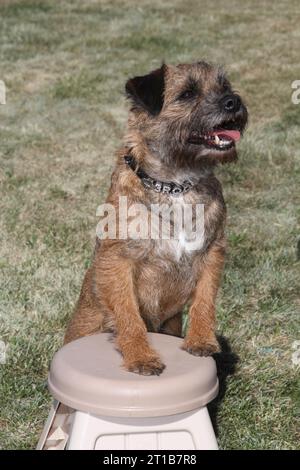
<point x="189" y="111"/>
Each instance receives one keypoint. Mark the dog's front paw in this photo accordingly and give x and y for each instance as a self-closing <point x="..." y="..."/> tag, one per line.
<point x="151" y="366"/>
<point x="201" y="347"/>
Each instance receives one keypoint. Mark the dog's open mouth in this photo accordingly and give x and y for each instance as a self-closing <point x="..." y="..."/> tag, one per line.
<point x="218" y="139"/>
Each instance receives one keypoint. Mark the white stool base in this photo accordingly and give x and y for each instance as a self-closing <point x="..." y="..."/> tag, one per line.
<point x="186" y="431"/>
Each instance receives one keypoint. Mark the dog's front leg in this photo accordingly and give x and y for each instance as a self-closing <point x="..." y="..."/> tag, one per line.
<point x="200" y="339"/>
<point x="117" y="292"/>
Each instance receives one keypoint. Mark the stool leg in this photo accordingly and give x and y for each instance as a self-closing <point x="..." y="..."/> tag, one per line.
<point x="201" y="428"/>
<point x="82" y="436"/>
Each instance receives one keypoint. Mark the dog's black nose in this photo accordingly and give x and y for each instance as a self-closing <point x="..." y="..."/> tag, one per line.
<point x="231" y="103"/>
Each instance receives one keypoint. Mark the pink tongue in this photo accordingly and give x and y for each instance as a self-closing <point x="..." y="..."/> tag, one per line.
<point x="234" y="135"/>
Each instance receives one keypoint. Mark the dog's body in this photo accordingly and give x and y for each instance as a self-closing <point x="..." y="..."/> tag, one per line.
<point x="176" y="134"/>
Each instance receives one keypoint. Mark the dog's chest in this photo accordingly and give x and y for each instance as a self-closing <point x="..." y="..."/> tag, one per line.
<point x="176" y="248"/>
<point x="169" y="267"/>
<point x="192" y="229"/>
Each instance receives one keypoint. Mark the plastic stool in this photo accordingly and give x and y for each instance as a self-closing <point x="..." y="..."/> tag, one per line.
<point x="110" y="408"/>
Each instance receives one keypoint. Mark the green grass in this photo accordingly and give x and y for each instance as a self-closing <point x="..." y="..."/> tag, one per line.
<point x="65" y="64"/>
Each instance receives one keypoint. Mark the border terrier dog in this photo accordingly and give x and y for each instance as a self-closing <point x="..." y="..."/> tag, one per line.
<point x="183" y="121"/>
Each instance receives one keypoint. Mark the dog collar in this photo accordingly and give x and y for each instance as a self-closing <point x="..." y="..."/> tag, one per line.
<point x="169" y="187"/>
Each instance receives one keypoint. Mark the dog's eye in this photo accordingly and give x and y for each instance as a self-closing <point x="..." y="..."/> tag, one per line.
<point x="186" y="95"/>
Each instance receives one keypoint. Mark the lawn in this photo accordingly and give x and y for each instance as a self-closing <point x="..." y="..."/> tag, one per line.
<point x="64" y="64"/>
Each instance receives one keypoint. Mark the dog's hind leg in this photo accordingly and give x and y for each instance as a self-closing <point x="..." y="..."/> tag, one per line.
<point x="88" y="317"/>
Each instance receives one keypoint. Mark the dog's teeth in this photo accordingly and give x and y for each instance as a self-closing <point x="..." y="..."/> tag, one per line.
<point x="217" y="140"/>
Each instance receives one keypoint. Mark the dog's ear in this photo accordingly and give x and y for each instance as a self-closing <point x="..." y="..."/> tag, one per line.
<point x="147" y="92"/>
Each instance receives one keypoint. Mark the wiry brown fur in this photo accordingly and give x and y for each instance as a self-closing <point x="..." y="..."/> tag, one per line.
<point x="137" y="285"/>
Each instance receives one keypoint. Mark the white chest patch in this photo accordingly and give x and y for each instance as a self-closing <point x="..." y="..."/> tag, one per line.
<point x="188" y="230"/>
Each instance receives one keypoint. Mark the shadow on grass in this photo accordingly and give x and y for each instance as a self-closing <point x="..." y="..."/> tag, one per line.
<point x="226" y="362"/>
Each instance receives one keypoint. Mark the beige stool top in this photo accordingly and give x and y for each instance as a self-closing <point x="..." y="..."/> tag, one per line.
<point x="87" y="375"/>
